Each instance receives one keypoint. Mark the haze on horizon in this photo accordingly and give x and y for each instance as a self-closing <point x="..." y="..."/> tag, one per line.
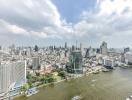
<point x="51" y="22"/>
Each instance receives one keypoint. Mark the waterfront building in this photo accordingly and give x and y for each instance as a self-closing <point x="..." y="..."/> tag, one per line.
<point x="75" y="64"/>
<point x="12" y="75"/>
<point x="103" y="48"/>
<point x="108" y="62"/>
<point x="128" y="58"/>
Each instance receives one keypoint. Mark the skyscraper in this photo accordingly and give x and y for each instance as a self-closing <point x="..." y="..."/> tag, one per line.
<point x="65" y="45"/>
<point x="81" y="48"/>
<point x="75" y="64"/>
<point x="36" y="49"/>
<point x="35" y="63"/>
<point x="66" y="49"/>
<point x="103" y="48"/>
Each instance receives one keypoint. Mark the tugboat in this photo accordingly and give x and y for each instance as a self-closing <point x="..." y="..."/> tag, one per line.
<point x="105" y="70"/>
<point x="76" y="98"/>
<point x="96" y="72"/>
<point x="31" y="91"/>
<point x="129" y="98"/>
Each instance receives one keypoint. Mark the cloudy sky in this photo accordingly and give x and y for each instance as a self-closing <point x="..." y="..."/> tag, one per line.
<point x="52" y="22"/>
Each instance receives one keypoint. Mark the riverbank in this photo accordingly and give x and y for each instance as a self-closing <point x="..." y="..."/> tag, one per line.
<point x="75" y="76"/>
<point x="103" y="86"/>
<point x="95" y="70"/>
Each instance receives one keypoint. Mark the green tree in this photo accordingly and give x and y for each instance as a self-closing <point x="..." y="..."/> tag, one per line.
<point x="61" y="74"/>
<point x="50" y="80"/>
<point x="37" y="74"/>
<point x="42" y="79"/>
<point x="24" y="88"/>
<point x="30" y="84"/>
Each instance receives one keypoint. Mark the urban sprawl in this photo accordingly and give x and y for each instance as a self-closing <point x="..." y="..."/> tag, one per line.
<point x="23" y="69"/>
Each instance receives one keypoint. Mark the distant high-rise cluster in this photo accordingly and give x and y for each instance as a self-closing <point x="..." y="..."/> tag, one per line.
<point x="74" y="60"/>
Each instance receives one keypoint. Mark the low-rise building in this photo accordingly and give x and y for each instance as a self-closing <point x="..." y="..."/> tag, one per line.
<point x="108" y="62"/>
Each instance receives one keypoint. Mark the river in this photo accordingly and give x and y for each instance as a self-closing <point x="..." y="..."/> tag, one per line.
<point x="114" y="85"/>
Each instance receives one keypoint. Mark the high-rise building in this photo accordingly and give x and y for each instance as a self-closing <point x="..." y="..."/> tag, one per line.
<point x="36" y="48"/>
<point x="98" y="50"/>
<point x="73" y="48"/>
<point x="128" y="58"/>
<point x="35" y="63"/>
<point x="12" y="49"/>
<point x="126" y="50"/>
<point x="81" y="48"/>
<point x="65" y="45"/>
<point x="66" y="49"/>
<point x="29" y="51"/>
<point x="12" y="75"/>
<point x="103" y="48"/>
<point x="75" y="64"/>
<point x="90" y="52"/>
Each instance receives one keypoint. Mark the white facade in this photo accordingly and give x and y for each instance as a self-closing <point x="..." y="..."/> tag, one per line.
<point x="12" y="75"/>
<point x="108" y="62"/>
<point x="128" y="57"/>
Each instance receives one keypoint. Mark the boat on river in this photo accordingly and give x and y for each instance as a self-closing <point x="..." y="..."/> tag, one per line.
<point x="129" y="98"/>
<point x="31" y="91"/>
<point x="76" y="98"/>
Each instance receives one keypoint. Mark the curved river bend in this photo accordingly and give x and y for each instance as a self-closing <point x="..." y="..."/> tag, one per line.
<point x="114" y="85"/>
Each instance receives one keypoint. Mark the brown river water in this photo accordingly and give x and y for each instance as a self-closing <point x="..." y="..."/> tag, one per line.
<point x="114" y="85"/>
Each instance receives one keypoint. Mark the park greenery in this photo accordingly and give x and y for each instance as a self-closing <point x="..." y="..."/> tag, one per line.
<point x="37" y="79"/>
<point x="60" y="72"/>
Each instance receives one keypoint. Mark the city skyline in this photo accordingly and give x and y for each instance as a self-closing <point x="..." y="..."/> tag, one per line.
<point x="65" y="49"/>
<point x="54" y="22"/>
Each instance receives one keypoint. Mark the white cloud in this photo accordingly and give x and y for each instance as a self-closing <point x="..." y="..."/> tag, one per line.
<point x="33" y="18"/>
<point x="7" y="28"/>
<point x="41" y="19"/>
<point x="108" y="7"/>
<point x="110" y="18"/>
